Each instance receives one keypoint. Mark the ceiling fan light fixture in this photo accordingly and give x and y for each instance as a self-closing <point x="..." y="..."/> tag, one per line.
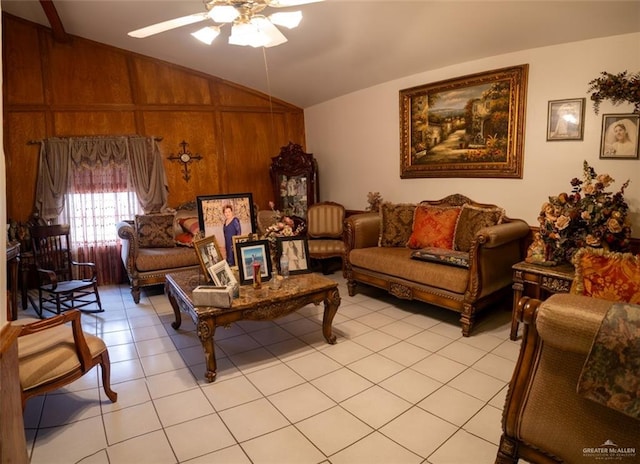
<point x="289" y="19"/>
<point x="247" y="34"/>
<point x="207" y="34"/>
<point x="224" y="13"/>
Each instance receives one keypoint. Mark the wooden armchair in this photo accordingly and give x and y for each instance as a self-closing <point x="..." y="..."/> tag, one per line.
<point x="52" y="354"/>
<point x="325" y="226"/>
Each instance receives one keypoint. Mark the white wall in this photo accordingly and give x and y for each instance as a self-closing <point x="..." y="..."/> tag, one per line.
<point x="356" y="137"/>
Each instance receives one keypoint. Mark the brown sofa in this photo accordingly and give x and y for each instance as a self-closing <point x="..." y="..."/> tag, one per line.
<point x="545" y="419"/>
<point x="148" y="265"/>
<point x="388" y="265"/>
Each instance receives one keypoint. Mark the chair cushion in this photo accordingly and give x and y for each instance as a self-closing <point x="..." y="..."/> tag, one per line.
<point x="607" y="275"/>
<point x="433" y="226"/>
<point x="471" y="220"/>
<point x="50" y="354"/>
<point x="396" y="224"/>
<point x="155" y="230"/>
<point x="326" y="247"/>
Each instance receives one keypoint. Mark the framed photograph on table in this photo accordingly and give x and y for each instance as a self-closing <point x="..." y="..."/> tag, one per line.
<point x="222" y="274"/>
<point x="620" y="134"/>
<point x="225" y="216"/>
<point x="297" y="250"/>
<point x="250" y="252"/>
<point x="241" y="239"/>
<point x="565" y="119"/>
<point x="208" y="254"/>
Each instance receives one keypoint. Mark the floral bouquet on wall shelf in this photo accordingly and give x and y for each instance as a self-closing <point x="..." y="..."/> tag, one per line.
<point x="588" y="216"/>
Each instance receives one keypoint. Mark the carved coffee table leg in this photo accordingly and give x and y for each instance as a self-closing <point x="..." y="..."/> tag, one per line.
<point x="206" y="330"/>
<point x="176" y="309"/>
<point x="331" y="303"/>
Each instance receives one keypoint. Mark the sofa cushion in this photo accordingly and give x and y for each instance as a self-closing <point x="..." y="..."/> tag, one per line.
<point x="433" y="226"/>
<point x="396" y="262"/>
<point x="443" y="256"/>
<point x="155" y="259"/>
<point x="155" y="230"/>
<point x="471" y="220"/>
<point x="396" y="223"/>
<point x="607" y="275"/>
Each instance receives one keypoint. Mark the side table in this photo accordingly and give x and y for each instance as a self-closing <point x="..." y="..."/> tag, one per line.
<point x="539" y="282"/>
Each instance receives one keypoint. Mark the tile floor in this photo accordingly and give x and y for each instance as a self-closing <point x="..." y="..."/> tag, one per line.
<point x="400" y="386"/>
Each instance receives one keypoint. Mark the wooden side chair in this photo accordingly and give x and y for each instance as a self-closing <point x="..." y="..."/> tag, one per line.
<point x="325" y="225"/>
<point x="52" y="354"/>
<point x="58" y="290"/>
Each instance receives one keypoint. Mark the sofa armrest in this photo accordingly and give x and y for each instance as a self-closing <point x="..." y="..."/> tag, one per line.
<point x="129" y="241"/>
<point x="495" y="236"/>
<point x="361" y="231"/>
<point x="493" y="252"/>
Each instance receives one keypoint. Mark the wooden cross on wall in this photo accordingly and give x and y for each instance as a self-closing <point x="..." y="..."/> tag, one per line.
<point x="186" y="158"/>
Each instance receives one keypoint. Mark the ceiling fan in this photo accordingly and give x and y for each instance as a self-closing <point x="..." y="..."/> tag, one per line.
<point x="249" y="26"/>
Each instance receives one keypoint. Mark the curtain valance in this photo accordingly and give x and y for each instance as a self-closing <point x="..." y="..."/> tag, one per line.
<point x="60" y="155"/>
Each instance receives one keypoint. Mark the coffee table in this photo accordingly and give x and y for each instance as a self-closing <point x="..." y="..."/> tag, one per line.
<point x="264" y="304"/>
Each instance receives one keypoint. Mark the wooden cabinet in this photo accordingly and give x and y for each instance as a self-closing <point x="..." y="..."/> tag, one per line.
<point x="294" y="175"/>
<point x="538" y="282"/>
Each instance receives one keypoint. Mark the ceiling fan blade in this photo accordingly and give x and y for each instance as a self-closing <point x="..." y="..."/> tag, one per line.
<point x="286" y="3"/>
<point x="167" y="25"/>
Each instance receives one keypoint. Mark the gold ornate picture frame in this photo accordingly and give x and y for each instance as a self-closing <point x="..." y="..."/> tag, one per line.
<point x="472" y="126"/>
<point x="208" y="254"/>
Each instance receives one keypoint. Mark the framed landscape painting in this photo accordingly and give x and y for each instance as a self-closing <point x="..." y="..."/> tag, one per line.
<point x="225" y="216"/>
<point x="471" y="126"/>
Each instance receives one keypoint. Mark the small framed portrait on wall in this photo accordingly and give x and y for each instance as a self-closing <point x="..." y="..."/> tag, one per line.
<point x="565" y="119"/>
<point x="620" y="133"/>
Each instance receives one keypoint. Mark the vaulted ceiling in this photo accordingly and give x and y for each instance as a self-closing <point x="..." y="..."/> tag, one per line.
<point x="342" y="45"/>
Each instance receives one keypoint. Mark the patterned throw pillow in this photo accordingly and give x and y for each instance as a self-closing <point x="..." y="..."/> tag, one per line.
<point x="155" y="230"/>
<point x="610" y="374"/>
<point x="471" y="220"/>
<point x="434" y="226"/>
<point x="190" y="225"/>
<point x="440" y="255"/>
<point x="396" y="224"/>
<point x="607" y="275"/>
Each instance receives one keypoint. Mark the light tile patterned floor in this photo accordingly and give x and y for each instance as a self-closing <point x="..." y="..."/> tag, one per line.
<point x="401" y="386"/>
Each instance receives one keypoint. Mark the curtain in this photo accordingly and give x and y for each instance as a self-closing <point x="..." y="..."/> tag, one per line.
<point x="92" y="183"/>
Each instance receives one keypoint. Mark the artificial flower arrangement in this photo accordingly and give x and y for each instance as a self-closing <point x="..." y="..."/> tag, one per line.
<point x="284" y="226"/>
<point x="618" y="88"/>
<point x="588" y="216"/>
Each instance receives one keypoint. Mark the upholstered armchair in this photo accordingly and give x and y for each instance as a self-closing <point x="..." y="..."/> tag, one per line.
<point x="325" y="226"/>
<point x="52" y="354"/>
<point x="548" y="416"/>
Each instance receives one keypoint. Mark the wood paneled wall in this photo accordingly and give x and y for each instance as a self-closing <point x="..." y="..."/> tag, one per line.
<point x="82" y="87"/>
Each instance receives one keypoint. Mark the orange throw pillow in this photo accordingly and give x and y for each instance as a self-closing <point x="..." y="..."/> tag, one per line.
<point x="433" y="227"/>
<point x="607" y="275"/>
